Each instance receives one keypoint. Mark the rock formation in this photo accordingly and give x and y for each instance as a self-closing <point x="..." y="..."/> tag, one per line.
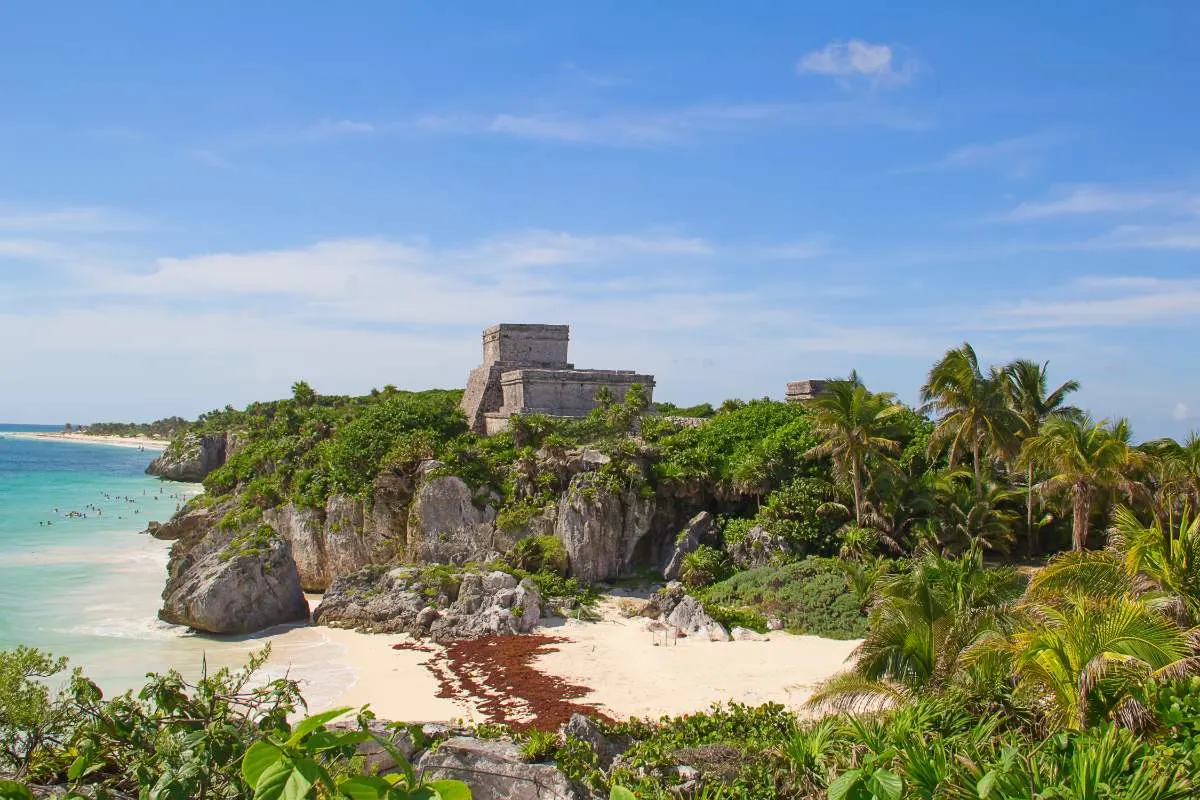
<point x="701" y="529"/>
<point x="191" y="459"/>
<point x="431" y="602"/>
<point x="758" y="548"/>
<point x="495" y="770"/>
<point x="447" y="524"/>
<point x="223" y="583"/>
<point x="601" y="527"/>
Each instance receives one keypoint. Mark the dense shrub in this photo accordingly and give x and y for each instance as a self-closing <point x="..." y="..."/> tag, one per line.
<point x="808" y="596"/>
<point x="703" y="566"/>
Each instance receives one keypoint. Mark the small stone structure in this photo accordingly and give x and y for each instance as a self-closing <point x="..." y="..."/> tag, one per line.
<point x="525" y="370"/>
<point x="798" y="391"/>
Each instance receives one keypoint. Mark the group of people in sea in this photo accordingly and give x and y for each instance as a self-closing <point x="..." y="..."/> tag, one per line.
<point x="97" y="511"/>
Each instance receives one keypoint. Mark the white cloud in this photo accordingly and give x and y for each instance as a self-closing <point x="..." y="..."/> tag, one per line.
<point x="1180" y="413"/>
<point x="1096" y="199"/>
<point x="856" y="58"/>
<point x="1103" y="302"/>
<point x="1018" y="156"/>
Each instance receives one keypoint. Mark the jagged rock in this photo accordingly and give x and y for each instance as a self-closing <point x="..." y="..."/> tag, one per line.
<point x="191" y="458"/>
<point x="189" y="523"/>
<point x="663" y="602"/>
<point x="495" y="770"/>
<point x="740" y="634"/>
<point x="774" y="624"/>
<point x="601" y="528"/>
<point x="385" y="517"/>
<point x="225" y="585"/>
<point x="330" y="542"/>
<point x="758" y="548"/>
<point x="700" y="528"/>
<point x="445" y="526"/>
<point x="406" y="599"/>
<point x="690" y="617"/>
<point x="587" y="730"/>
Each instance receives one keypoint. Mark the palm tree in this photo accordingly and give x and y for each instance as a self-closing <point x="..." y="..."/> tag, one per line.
<point x="1157" y="564"/>
<point x="1034" y="403"/>
<point x="856" y="428"/>
<point x="1082" y="656"/>
<point x="975" y="412"/>
<point x="1086" y="457"/>
<point x="1178" y="472"/>
<point x="963" y="518"/>
<point x="921" y="623"/>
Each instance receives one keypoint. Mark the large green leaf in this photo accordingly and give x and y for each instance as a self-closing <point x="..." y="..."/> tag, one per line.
<point x="885" y="785"/>
<point x="11" y="790"/>
<point x="364" y="787"/>
<point x="846" y="783"/>
<point x="451" y="790"/>
<point x="986" y="784"/>
<point x="621" y="793"/>
<point x="286" y="780"/>
<point x="258" y="757"/>
<point x="310" y="724"/>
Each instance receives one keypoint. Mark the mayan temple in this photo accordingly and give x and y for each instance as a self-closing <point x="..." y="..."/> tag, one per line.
<point x="525" y="371"/>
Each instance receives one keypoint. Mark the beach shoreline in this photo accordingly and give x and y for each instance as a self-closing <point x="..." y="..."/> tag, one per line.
<point x="146" y="442"/>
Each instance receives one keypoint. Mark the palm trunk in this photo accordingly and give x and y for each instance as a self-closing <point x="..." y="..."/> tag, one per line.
<point x="1082" y="509"/>
<point x="856" y="481"/>
<point x="978" y="470"/>
<point x="1029" y="512"/>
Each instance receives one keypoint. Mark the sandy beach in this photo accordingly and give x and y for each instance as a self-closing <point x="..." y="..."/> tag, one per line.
<point x="615" y="661"/>
<point x="147" y="442"/>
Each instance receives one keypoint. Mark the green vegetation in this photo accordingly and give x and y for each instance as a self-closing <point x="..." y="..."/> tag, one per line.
<point x="167" y="428"/>
<point x="808" y="597"/>
<point x="251" y="542"/>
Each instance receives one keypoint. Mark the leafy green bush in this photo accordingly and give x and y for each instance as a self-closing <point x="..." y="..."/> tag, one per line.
<point x="539" y="554"/>
<point x="703" y="566"/>
<point x="808" y="596"/>
<point x="732" y="617"/>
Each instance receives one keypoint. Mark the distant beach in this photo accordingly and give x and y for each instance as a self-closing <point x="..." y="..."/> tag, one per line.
<point x="146" y="442"/>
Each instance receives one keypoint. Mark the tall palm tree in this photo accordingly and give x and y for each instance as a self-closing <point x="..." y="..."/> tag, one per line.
<point x="975" y="413"/>
<point x="1035" y="403"/>
<point x="1082" y="656"/>
<point x="963" y="519"/>
<point x="1178" y="472"/>
<point x="856" y="426"/>
<point x="1085" y="458"/>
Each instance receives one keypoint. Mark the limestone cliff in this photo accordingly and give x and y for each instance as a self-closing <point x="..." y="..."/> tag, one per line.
<point x="191" y="458"/>
<point x="601" y="527"/>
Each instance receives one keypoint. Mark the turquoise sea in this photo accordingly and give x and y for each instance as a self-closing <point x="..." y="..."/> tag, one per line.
<point x="78" y="578"/>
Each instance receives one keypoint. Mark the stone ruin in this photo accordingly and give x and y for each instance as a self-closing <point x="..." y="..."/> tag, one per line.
<point x="799" y="391"/>
<point x="525" y="371"/>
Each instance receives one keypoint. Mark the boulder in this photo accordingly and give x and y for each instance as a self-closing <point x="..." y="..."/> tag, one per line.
<point x="700" y="529"/>
<point x="495" y="770"/>
<point x="663" y="602"/>
<point x="464" y="606"/>
<point x="446" y="526"/>
<point x="740" y="634"/>
<point x="303" y="528"/>
<point x="230" y="584"/>
<point x="188" y="523"/>
<point x="758" y="548"/>
<point x="601" y="528"/>
<point x="690" y="617"/>
<point x="190" y="458"/>
<point x="376" y="758"/>
<point x="587" y="730"/>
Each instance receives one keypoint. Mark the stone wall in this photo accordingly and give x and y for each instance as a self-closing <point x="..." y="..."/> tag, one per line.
<point x="798" y="391"/>
<point x="565" y="393"/>
<point x="532" y="345"/>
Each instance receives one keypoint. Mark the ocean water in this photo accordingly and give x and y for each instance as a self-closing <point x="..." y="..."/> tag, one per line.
<point x="78" y="578"/>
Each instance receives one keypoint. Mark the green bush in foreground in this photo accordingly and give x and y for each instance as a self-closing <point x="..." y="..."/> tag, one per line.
<point x="808" y="596"/>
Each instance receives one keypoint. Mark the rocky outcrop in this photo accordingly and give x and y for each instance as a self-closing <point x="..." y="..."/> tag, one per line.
<point x="233" y="584"/>
<point x="190" y="523"/>
<point x="701" y="529"/>
<point x="607" y="748"/>
<point x="663" y="602"/>
<point x="191" y="458"/>
<point x="690" y="617"/>
<point x="758" y="548"/>
<point x="431" y="602"/>
<point x="495" y="770"/>
<point x="601" y="528"/>
<point x="330" y="542"/>
<point x="447" y="523"/>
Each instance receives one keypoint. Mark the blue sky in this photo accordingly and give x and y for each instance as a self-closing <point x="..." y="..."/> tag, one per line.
<point x="200" y="203"/>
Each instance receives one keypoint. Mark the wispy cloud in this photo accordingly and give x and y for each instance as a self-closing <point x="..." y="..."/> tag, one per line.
<point x="1098" y="199"/>
<point x="1103" y="303"/>
<point x="858" y="59"/>
<point x="674" y="126"/>
<point x="1017" y="156"/>
<point x="592" y="78"/>
<point x="78" y="219"/>
<point x="222" y="153"/>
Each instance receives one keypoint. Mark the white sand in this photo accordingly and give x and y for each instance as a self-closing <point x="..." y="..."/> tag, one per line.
<point x="86" y="438"/>
<point x="629" y="675"/>
<point x="632" y="677"/>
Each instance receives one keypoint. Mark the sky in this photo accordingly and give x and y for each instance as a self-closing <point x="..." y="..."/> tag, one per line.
<point x="201" y="203"/>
